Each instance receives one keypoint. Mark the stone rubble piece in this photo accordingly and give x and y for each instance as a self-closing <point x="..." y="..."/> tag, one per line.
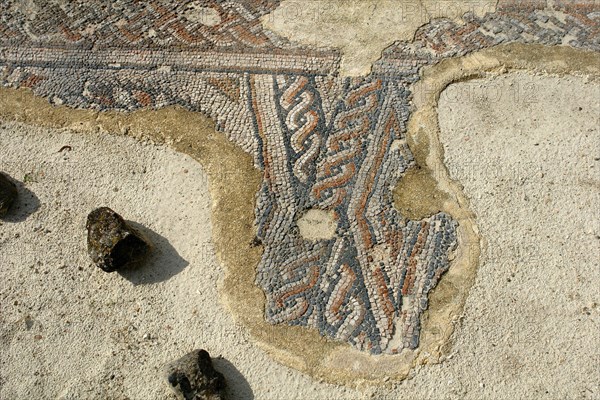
<point x="112" y="242"/>
<point x="193" y="377"/>
<point x="8" y="194"/>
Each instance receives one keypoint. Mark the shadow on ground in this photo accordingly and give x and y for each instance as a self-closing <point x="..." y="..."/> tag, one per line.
<point x="237" y="386"/>
<point x="162" y="263"/>
<point x="27" y="204"/>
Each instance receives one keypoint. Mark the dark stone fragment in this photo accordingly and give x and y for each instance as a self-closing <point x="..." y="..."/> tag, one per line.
<point x="112" y="242"/>
<point x="193" y="377"/>
<point x="8" y="194"/>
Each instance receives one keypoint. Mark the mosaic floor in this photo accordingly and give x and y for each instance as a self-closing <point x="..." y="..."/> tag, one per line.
<point x="321" y="140"/>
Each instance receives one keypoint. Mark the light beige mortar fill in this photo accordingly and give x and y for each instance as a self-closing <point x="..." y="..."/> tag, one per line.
<point x="317" y="224"/>
<point x="234" y="183"/>
<point x="361" y="29"/>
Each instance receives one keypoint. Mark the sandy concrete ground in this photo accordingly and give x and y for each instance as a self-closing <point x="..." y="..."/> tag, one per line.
<point x="527" y="150"/>
<point x="530" y="328"/>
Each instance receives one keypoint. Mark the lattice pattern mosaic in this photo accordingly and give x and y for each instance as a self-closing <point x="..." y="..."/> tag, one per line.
<point x="322" y="141"/>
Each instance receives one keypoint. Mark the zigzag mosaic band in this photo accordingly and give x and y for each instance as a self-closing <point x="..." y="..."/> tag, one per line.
<point x="322" y="141"/>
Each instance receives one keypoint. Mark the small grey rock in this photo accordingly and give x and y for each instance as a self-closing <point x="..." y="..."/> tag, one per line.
<point x="193" y="377"/>
<point x="112" y="243"/>
<point x="8" y="193"/>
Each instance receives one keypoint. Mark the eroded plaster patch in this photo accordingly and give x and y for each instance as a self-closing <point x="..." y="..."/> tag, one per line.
<point x="362" y="29"/>
<point x="317" y="224"/>
<point x="205" y="15"/>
